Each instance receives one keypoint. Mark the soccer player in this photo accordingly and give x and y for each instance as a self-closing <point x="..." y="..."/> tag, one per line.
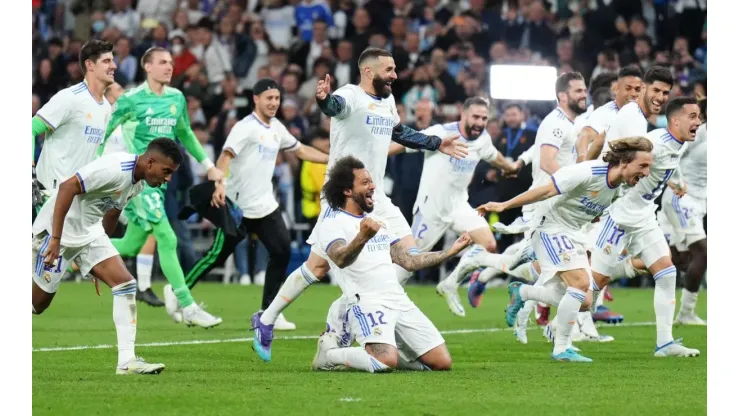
<point x="442" y="200"/>
<point x="250" y="152"/>
<point x="75" y="118"/>
<point x="361" y="251"/>
<point x="682" y="219"/>
<point x="364" y="121"/>
<point x="631" y="223"/>
<point x="575" y="195"/>
<point x="74" y="224"/>
<point x="146" y="112"/>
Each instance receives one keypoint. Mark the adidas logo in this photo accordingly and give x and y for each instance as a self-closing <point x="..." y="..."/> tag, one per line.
<point x="149" y="111"/>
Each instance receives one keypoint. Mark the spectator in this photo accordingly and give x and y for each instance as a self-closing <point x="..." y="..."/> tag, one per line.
<point x="422" y="89"/>
<point x="313" y="174"/>
<point x="215" y="56"/>
<point x="607" y="61"/>
<point x="345" y="70"/>
<point x="296" y="124"/>
<point x="181" y="56"/>
<point x="195" y="14"/>
<point x="127" y="64"/>
<point x="124" y="18"/>
<point x="307" y="13"/>
<point x="44" y="86"/>
<point x="304" y="53"/>
<point x="290" y="83"/>
<point x="279" y="21"/>
<point x="157" y="10"/>
<point x="308" y="89"/>
<point x="361" y="34"/>
<point x="257" y="55"/>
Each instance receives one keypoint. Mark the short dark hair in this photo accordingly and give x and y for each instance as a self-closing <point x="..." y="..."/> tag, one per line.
<point x="658" y="73"/>
<point x="475" y="101"/>
<point x="513" y="105"/>
<point x="629" y="71"/>
<point x="166" y="147"/>
<point x="605" y="79"/>
<point x="92" y="50"/>
<point x="601" y="96"/>
<point x="340" y="178"/>
<point x="372" y="53"/>
<point x="563" y="81"/>
<point x="610" y="54"/>
<point x="625" y="150"/>
<point x="147" y="57"/>
<point x="646" y="39"/>
<point x="676" y="104"/>
<point x="703" y="108"/>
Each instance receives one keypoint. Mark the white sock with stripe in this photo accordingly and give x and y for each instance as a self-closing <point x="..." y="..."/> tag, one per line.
<point x="543" y="294"/>
<point x="144" y="264"/>
<point x="567" y="317"/>
<point x="296" y="283"/>
<point x="664" y="302"/>
<point x="357" y="358"/>
<point x="124" y="317"/>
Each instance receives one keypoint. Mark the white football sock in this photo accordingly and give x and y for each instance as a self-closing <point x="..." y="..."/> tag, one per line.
<point x="586" y="324"/>
<point x="600" y="297"/>
<point x="357" y="358"/>
<point x="526" y="271"/>
<point x="124" y="317"/>
<point x="688" y="302"/>
<point x="411" y="365"/>
<point x="567" y="316"/>
<point x="144" y="264"/>
<point x="296" y="283"/>
<point x="664" y="302"/>
<point x="544" y="294"/>
<point x="487" y="274"/>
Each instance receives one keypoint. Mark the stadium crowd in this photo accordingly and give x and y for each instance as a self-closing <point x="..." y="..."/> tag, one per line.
<point x="442" y="50"/>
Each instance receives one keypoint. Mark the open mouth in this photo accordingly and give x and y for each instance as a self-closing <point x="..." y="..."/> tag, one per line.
<point x="369" y="198"/>
<point x="692" y="131"/>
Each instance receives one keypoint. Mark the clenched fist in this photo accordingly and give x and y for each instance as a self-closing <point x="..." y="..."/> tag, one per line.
<point x="369" y="227"/>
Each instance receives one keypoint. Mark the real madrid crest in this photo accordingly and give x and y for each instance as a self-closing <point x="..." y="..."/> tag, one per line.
<point x="173" y="110"/>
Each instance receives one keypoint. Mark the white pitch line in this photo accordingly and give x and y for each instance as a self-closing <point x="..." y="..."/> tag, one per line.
<point x="291" y="337"/>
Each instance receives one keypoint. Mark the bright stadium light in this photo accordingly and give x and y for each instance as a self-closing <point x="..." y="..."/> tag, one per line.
<point x="523" y="82"/>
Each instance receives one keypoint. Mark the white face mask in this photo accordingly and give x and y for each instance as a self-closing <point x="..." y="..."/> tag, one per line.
<point x="177" y="49"/>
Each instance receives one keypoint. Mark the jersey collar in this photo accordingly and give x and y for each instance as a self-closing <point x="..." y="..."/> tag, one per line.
<point x="671" y="141"/>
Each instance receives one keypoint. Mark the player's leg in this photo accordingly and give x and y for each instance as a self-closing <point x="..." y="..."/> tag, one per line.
<point x="420" y="345"/>
<point x="144" y="265"/>
<point x="650" y="245"/>
<point x="694" y="276"/>
<point x="101" y="260"/>
<point x="222" y="247"/>
<point x="577" y="283"/>
<point x="274" y="235"/>
<point x="192" y="313"/>
<point x="337" y="321"/>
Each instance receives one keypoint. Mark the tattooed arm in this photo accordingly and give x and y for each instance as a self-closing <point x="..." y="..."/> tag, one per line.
<point x="412" y="263"/>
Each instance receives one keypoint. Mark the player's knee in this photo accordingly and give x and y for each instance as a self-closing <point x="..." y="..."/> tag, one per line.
<point x="490" y="246"/>
<point x="586" y="305"/>
<point x="441" y="364"/>
<point x="318" y="266"/>
<point x="38" y="309"/>
<point x="384" y="353"/>
<point x="600" y="279"/>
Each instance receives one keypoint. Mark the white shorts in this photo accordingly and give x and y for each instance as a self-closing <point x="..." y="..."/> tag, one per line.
<point x="647" y="243"/>
<point x="337" y="321"/>
<point x="559" y="249"/>
<point x="411" y="332"/>
<point x="384" y="211"/>
<point x="428" y="229"/>
<point x="682" y="219"/>
<point x="87" y="256"/>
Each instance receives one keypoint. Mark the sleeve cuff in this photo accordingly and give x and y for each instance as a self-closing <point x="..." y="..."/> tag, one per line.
<point x="551" y="145"/>
<point x="292" y="147"/>
<point x="395" y="241"/>
<point x="554" y="182"/>
<point x="48" y="123"/>
<point x="334" y="241"/>
<point x="82" y="182"/>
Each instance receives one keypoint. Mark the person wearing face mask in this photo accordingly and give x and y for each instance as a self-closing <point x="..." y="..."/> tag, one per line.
<point x="181" y="56"/>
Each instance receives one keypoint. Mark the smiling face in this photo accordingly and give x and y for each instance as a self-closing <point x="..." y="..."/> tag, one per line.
<point x="362" y="190"/>
<point x="685" y="122"/>
<point x="382" y="71"/>
<point x="655" y="96"/>
<point x="628" y="89"/>
<point x="102" y="69"/>
<point x="267" y="103"/>
<point x="474" y="120"/>
<point x="638" y="168"/>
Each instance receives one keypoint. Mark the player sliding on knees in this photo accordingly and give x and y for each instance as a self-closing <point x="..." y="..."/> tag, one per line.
<point x="574" y="196"/>
<point x="76" y="224"/>
<point x="361" y="251"/>
<point x="364" y="120"/>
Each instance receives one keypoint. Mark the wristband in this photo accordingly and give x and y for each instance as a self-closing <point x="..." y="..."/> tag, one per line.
<point x="207" y="163"/>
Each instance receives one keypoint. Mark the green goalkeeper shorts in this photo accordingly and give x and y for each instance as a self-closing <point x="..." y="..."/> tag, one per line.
<point x="147" y="208"/>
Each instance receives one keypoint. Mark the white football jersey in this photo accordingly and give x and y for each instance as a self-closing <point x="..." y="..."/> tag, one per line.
<point x="630" y="121"/>
<point x="116" y="142"/>
<point x="584" y="192"/>
<point x="256" y="146"/>
<point x="78" y="123"/>
<point x="372" y="276"/>
<point x="637" y="208"/>
<point x="107" y="183"/>
<point x="363" y="130"/>
<point x="694" y="164"/>
<point x="601" y="119"/>
<point x="444" y="179"/>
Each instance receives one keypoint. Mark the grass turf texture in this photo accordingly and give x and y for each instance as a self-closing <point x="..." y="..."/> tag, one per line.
<point x="492" y="373"/>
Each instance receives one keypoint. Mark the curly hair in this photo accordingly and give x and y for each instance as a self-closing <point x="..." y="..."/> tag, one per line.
<point x="625" y="150"/>
<point x="341" y="177"/>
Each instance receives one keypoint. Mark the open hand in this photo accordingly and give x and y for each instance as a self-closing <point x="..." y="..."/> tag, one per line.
<point x="460" y="244"/>
<point x="219" y="196"/>
<point x="450" y="146"/>
<point x="490" y="207"/>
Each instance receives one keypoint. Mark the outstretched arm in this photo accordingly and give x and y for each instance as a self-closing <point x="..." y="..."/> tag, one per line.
<point x="408" y="137"/>
<point x="533" y="195"/>
<point x="312" y="154"/>
<point x="412" y="263"/>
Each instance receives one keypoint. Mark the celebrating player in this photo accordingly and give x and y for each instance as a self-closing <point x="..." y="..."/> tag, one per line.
<point x="575" y="195"/>
<point x="361" y="251"/>
<point x="631" y="223"/>
<point x="74" y="224"/>
<point x="250" y="152"/>
<point x="149" y="111"/>
<point x="442" y="200"/>
<point x="364" y="121"/>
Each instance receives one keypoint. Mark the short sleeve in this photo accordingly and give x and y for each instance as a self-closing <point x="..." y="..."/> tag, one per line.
<point x="105" y="173"/>
<point x="57" y="111"/>
<point x="396" y="116"/>
<point x="288" y="141"/>
<point x="630" y="122"/>
<point x="331" y="231"/>
<point x="570" y="177"/>
<point x="347" y="95"/>
<point x="238" y="138"/>
<point x="551" y="135"/>
<point x="596" y="122"/>
<point x="488" y="152"/>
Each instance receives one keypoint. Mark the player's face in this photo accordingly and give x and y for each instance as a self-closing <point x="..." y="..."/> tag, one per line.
<point x="159" y="170"/>
<point x="655" y="96"/>
<point x="628" y="89"/>
<point x="268" y="102"/>
<point x="577" y="94"/>
<point x="688" y="122"/>
<point x="159" y="69"/>
<point x="383" y="73"/>
<point x="363" y="190"/>
<point x="104" y="68"/>
<point x="638" y="168"/>
<point x="474" y="121"/>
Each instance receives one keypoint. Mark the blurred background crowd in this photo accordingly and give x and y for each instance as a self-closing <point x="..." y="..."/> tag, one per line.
<point x="442" y="50"/>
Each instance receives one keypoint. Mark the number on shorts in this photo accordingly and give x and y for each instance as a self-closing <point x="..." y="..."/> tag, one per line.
<point x="422" y="229"/>
<point x="58" y="268"/>
<point x="617" y="234"/>
<point x="566" y="243"/>
<point x="380" y="321"/>
<point x="154" y="201"/>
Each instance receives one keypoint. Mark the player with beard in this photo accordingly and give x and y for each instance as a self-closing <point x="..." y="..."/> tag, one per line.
<point x="442" y="200"/>
<point x="364" y="121"/>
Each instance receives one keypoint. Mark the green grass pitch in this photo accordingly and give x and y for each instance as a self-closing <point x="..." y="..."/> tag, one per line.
<point x="492" y="373"/>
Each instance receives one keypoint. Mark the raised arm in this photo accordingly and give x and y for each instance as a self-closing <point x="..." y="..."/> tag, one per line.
<point x="329" y="104"/>
<point x="412" y="263"/>
<point x="312" y="154"/>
